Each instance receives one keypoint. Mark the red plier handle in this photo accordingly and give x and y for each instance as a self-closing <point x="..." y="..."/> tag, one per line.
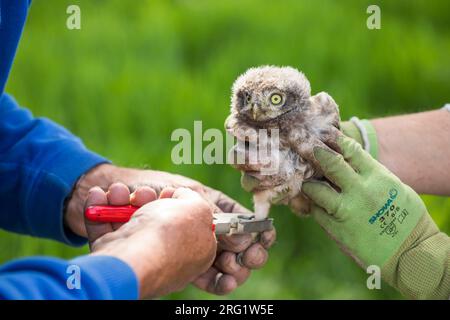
<point x="110" y="213"/>
<point x="113" y="214"/>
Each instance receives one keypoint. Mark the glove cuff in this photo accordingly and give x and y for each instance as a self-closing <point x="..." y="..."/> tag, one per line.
<point x="421" y="268"/>
<point x="368" y="135"/>
<point x="363" y="132"/>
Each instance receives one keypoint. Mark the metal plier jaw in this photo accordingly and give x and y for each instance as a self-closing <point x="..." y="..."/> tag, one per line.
<point x="240" y="223"/>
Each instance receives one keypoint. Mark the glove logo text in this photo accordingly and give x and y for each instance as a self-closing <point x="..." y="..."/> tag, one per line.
<point x="392" y="195"/>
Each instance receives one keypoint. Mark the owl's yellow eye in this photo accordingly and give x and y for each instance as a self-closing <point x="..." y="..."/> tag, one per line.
<point x="276" y="99"/>
<point x="248" y="98"/>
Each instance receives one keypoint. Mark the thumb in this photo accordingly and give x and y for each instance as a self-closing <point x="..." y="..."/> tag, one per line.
<point x="326" y="221"/>
<point x="95" y="230"/>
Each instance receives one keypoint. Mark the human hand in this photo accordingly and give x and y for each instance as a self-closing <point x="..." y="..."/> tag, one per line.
<point x="378" y="220"/>
<point x="372" y="213"/>
<point x="167" y="242"/>
<point x="228" y="271"/>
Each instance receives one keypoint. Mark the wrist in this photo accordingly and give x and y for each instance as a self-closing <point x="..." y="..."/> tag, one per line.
<point x="420" y="269"/>
<point x="150" y="270"/>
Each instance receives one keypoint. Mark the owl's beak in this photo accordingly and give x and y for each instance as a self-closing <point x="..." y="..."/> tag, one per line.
<point x="254" y="111"/>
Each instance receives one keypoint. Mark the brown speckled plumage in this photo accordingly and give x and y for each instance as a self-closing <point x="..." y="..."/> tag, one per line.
<point x="271" y="97"/>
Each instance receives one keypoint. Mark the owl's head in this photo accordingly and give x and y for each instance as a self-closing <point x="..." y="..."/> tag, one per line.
<point x="267" y="92"/>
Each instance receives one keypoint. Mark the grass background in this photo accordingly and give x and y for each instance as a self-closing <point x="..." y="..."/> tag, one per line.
<point x="139" y="69"/>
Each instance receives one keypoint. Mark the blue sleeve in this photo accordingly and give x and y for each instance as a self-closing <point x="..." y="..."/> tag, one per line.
<point x="13" y="14"/>
<point x="40" y="162"/>
<point x="86" y="277"/>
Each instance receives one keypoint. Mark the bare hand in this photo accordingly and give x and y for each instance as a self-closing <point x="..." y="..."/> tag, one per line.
<point x="228" y="271"/>
<point x="168" y="242"/>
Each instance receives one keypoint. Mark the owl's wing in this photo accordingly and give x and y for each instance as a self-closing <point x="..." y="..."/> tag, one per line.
<point x="326" y="109"/>
<point x="321" y="129"/>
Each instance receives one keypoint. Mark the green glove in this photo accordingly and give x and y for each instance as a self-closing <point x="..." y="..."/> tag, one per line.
<point x="363" y="132"/>
<point x="378" y="220"/>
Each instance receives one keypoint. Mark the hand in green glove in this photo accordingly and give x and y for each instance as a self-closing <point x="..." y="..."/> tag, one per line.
<point x="378" y="220"/>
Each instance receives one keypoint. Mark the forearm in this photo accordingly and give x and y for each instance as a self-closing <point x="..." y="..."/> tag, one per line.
<point x="416" y="148"/>
<point x="40" y="162"/>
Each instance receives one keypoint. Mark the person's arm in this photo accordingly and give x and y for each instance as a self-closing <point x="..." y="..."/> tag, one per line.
<point x="44" y="278"/>
<point x="40" y="163"/>
<point x="121" y="265"/>
<point x="416" y="148"/>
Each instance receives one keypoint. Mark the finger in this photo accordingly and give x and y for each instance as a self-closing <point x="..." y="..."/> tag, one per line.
<point x="142" y="195"/>
<point x="355" y="155"/>
<point x="255" y="256"/>
<point x="334" y="167"/>
<point x="241" y="276"/>
<point x="216" y="282"/>
<point x="118" y="194"/>
<point x="96" y="196"/>
<point x="224" y="202"/>
<point x="323" y="195"/>
<point x="267" y="238"/>
<point x="300" y="204"/>
<point x="186" y="193"/>
<point x="226" y="262"/>
<point x="167" y="192"/>
<point x="235" y="243"/>
<point x="94" y="230"/>
<point x="326" y="221"/>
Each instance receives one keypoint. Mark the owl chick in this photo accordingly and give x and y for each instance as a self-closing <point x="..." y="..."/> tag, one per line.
<point x="270" y="97"/>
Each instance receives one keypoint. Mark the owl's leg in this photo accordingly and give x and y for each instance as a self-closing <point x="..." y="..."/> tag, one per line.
<point x="261" y="201"/>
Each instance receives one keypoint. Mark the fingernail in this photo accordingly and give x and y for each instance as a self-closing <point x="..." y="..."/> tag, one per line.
<point x="261" y="256"/>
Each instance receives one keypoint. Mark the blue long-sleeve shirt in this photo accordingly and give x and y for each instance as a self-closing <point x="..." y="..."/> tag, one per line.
<point x="40" y="162"/>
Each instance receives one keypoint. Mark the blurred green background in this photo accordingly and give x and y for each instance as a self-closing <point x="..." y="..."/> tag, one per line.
<point x="139" y="69"/>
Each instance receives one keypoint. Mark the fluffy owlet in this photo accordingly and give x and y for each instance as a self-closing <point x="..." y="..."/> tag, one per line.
<point x="270" y="97"/>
